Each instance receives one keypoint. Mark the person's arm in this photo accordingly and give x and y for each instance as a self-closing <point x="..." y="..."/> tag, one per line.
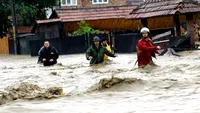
<point x="108" y="48"/>
<point x="88" y="53"/>
<point x="143" y="46"/>
<point x="157" y="52"/>
<point x="157" y="47"/>
<point x="56" y="55"/>
<point x="40" y="55"/>
<point x="109" y="53"/>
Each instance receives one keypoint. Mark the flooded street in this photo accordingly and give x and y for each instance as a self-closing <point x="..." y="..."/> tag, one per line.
<point x="116" y="86"/>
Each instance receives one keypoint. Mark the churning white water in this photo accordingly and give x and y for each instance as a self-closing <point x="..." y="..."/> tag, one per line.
<point x="116" y="86"/>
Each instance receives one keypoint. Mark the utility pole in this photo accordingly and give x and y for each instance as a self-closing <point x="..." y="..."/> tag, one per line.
<point x="14" y="24"/>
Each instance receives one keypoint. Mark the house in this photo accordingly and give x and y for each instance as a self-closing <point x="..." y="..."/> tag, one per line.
<point x="7" y="44"/>
<point x="108" y="16"/>
<point x="96" y="3"/>
<point x="172" y="14"/>
<point x="99" y="14"/>
<point x="24" y="34"/>
<point x="121" y="19"/>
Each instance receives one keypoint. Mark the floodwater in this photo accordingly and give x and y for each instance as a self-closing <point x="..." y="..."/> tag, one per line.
<point x="116" y="86"/>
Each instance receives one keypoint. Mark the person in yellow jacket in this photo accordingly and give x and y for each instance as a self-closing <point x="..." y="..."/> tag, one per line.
<point x="105" y="44"/>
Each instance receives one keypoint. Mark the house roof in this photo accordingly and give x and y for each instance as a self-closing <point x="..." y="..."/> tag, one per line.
<point x="112" y="12"/>
<point x="22" y="30"/>
<point x="153" y="8"/>
<point x="78" y="14"/>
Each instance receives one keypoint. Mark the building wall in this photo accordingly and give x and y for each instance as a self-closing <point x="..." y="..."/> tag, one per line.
<point x="4" y="45"/>
<point x="108" y="24"/>
<point x="43" y="32"/>
<point x="48" y="31"/>
<point x="89" y="4"/>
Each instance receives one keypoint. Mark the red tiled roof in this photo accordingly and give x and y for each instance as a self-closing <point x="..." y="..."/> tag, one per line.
<point x="67" y="15"/>
<point x="78" y="14"/>
<point x="154" y="8"/>
<point x="48" y="21"/>
<point x="25" y="29"/>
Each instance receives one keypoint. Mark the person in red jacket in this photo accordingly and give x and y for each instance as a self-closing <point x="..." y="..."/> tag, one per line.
<point x="145" y="49"/>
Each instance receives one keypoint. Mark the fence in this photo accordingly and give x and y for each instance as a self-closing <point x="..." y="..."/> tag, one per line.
<point x="4" y="49"/>
<point x="126" y="43"/>
<point x="67" y="45"/>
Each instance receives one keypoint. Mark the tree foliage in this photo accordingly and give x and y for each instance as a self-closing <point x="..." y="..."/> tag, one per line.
<point x="85" y="29"/>
<point x="27" y="12"/>
<point x="4" y="21"/>
<point x="30" y="10"/>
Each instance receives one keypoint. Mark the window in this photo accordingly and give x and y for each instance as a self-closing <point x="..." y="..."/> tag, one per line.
<point x="99" y="1"/>
<point x="68" y="2"/>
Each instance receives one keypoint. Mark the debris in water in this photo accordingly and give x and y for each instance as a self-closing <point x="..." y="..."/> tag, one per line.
<point x="60" y="64"/>
<point x="24" y="67"/>
<point x="10" y="68"/>
<point x="29" y="91"/>
<point x="55" y="91"/>
<point x="109" y="82"/>
<point x="54" y="73"/>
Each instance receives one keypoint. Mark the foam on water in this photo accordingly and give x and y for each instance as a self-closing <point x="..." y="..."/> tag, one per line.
<point x="112" y="87"/>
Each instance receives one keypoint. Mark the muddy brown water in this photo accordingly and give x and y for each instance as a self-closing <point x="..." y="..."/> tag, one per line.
<point x="116" y="86"/>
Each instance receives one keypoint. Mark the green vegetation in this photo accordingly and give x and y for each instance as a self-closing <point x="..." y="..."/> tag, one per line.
<point x="27" y="12"/>
<point x="86" y="30"/>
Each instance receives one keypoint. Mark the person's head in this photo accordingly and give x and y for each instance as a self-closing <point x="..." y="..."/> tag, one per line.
<point x="46" y="44"/>
<point x="96" y="41"/>
<point x="145" y="32"/>
<point x="104" y="41"/>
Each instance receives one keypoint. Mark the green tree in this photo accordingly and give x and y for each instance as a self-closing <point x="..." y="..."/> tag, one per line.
<point x="5" y="11"/>
<point x="86" y="30"/>
<point x="27" y="12"/>
<point x="30" y="10"/>
<point x="26" y="15"/>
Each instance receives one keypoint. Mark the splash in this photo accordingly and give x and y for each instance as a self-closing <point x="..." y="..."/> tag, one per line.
<point x="30" y="92"/>
<point x="107" y="83"/>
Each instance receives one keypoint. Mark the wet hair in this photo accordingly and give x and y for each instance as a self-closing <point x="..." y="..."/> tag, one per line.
<point x="103" y="39"/>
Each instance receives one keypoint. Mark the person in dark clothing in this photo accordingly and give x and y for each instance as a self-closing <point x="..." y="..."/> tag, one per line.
<point x="48" y="54"/>
<point x="96" y="52"/>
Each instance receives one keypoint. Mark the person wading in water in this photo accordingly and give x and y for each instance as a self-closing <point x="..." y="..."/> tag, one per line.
<point x="48" y="54"/>
<point x="96" y="52"/>
<point x="146" y="49"/>
<point x="105" y="44"/>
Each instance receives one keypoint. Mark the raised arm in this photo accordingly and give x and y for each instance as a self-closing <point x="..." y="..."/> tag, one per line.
<point x="144" y="47"/>
<point x="108" y="53"/>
